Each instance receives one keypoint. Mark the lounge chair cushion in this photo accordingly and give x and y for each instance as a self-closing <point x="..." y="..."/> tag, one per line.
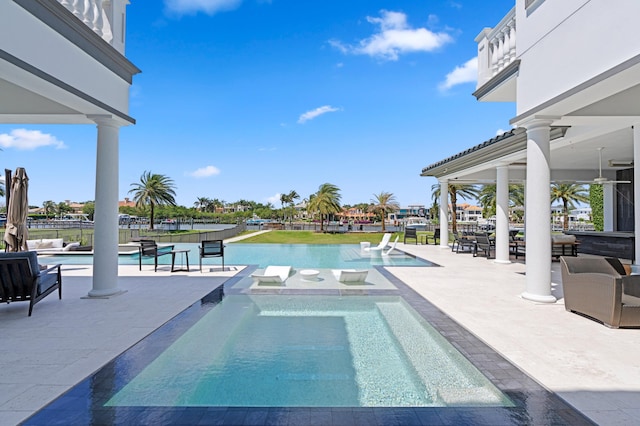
<point x="350" y="275"/>
<point x="273" y="275"/>
<point x="47" y="280"/>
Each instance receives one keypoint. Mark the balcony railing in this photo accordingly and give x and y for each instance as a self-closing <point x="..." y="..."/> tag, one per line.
<point x="496" y="48"/>
<point x="94" y="13"/>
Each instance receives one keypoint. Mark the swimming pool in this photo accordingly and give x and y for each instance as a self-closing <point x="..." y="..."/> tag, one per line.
<point x="310" y="351"/>
<point x="102" y="397"/>
<point x="297" y="255"/>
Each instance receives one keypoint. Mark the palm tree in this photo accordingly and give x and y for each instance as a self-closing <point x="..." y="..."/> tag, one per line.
<point x="292" y="196"/>
<point x="153" y="190"/>
<point x="568" y="193"/>
<point x="487" y="198"/>
<point x="465" y="192"/>
<point x="383" y="203"/>
<point x="48" y="207"/>
<point x="284" y="199"/>
<point x="202" y="203"/>
<point x="326" y="201"/>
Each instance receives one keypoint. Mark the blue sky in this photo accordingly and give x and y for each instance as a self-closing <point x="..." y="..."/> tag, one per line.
<point x="247" y="99"/>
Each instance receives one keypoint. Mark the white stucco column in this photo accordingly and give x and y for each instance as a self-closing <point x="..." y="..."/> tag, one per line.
<point x="636" y="194"/>
<point x="538" y="213"/>
<point x="105" y="238"/>
<point x="608" y="208"/>
<point x="502" y="214"/>
<point x="444" y="214"/>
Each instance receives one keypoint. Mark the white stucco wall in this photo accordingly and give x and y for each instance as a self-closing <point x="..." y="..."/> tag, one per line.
<point x="27" y="38"/>
<point x="567" y="42"/>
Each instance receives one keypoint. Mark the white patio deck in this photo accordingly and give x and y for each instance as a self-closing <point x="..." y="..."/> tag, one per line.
<point x="592" y="367"/>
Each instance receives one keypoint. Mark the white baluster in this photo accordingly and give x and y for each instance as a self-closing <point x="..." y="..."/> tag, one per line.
<point x="97" y="23"/>
<point x="512" y="40"/>
<point x="76" y="8"/>
<point x="500" y="51"/>
<point x="87" y="13"/>
<point x="494" y="57"/>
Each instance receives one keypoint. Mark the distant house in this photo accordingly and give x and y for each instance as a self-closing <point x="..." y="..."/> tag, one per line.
<point x="126" y="203"/>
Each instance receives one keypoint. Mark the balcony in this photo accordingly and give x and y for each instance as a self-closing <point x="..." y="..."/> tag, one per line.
<point x="497" y="63"/>
<point x="80" y="72"/>
<point x="100" y="16"/>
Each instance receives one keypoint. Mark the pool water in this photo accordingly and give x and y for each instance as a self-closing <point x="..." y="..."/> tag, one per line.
<point x="343" y="256"/>
<point x="310" y="351"/>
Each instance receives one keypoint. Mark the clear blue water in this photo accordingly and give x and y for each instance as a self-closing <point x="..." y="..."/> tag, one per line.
<point x="297" y="255"/>
<point x="310" y="351"/>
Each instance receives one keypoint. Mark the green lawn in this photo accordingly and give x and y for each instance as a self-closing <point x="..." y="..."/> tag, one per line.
<point x="309" y="237"/>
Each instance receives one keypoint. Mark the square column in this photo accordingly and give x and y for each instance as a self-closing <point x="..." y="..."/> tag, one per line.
<point x="538" y="212"/>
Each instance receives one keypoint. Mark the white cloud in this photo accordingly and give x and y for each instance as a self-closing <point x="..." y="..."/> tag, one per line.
<point x="500" y="132"/>
<point x="395" y="37"/>
<point x="310" y="115"/>
<point x="28" y="140"/>
<point x="466" y="73"/>
<point x="204" y="172"/>
<point x="191" y="7"/>
<point x="274" y="199"/>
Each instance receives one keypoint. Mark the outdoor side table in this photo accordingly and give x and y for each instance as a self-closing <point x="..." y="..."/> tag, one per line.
<point x="185" y="255"/>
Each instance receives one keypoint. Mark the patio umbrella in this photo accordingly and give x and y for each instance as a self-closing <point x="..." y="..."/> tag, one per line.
<point x="16" y="233"/>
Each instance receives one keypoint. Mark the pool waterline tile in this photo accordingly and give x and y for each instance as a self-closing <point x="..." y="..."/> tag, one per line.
<point x="534" y="404"/>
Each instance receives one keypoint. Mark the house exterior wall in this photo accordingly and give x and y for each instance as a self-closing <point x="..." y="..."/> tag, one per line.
<point x="563" y="43"/>
<point x="46" y="50"/>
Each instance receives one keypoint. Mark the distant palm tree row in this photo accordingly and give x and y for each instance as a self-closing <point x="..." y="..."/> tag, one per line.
<point x="155" y="190"/>
<point x="568" y="193"/>
<point x="159" y="190"/>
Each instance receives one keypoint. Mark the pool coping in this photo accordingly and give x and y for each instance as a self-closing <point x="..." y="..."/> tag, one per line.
<point x="534" y="403"/>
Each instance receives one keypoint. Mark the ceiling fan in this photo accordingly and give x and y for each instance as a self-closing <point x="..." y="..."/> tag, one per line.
<point x="601" y="180"/>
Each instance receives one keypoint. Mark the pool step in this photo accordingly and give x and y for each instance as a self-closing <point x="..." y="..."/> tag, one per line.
<point x="450" y="378"/>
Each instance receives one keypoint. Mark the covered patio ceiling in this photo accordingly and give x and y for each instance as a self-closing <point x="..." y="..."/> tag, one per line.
<point x="574" y="153"/>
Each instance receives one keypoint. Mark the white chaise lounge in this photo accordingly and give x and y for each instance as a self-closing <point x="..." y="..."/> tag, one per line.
<point x="350" y="275"/>
<point x="383" y="243"/>
<point x="273" y="275"/>
<point x="393" y="247"/>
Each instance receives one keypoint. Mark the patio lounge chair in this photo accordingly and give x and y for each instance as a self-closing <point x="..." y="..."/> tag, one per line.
<point x="273" y="275"/>
<point x="593" y="288"/>
<point x="350" y="275"/>
<point x="150" y="249"/>
<point x="393" y="247"/>
<point x="21" y="279"/>
<point x="213" y="248"/>
<point x="463" y="244"/>
<point x="436" y="236"/>
<point x="383" y="243"/>
<point x="411" y="234"/>
<point x="483" y="244"/>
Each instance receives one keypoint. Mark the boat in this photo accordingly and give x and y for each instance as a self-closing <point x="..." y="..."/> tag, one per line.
<point x="418" y="223"/>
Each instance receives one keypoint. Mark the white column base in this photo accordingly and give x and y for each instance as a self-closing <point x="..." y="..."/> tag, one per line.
<point x="103" y="294"/>
<point x="538" y="298"/>
<point x="502" y="262"/>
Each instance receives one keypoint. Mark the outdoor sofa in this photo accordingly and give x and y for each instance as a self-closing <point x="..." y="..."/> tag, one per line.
<point x="594" y="288"/>
<point x="51" y="245"/>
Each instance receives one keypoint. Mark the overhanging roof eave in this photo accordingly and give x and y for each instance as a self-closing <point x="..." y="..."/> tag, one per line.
<point x="506" y="144"/>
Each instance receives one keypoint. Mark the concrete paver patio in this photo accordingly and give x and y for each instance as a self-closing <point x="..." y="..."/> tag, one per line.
<point x="590" y="366"/>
